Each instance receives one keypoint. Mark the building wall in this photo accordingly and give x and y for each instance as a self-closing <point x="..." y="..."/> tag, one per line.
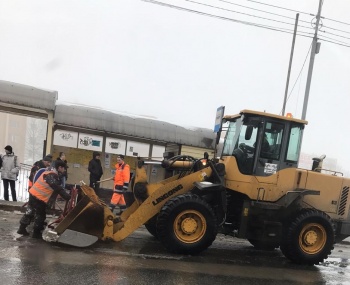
<point x="196" y="152"/>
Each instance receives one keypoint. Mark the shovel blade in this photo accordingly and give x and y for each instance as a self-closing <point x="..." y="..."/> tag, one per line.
<point x="77" y="239"/>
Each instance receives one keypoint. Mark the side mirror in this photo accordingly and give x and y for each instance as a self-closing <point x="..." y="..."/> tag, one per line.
<point x="248" y="133"/>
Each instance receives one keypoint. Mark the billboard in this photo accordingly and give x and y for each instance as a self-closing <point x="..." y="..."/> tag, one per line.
<point x="65" y="138"/>
<point x="115" y="146"/>
<point x="137" y="149"/>
<point x="90" y="142"/>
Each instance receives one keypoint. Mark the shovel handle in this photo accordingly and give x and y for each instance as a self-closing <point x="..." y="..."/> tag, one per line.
<point x="104" y="180"/>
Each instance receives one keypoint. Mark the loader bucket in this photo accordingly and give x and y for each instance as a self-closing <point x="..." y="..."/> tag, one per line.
<point x="87" y="219"/>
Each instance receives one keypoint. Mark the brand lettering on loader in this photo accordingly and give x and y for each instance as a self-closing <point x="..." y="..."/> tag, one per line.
<point x="168" y="194"/>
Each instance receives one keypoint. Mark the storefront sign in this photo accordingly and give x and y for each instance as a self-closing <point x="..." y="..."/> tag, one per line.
<point x="115" y="146"/>
<point x="65" y="138"/>
<point x="137" y="149"/>
<point x="90" y="142"/>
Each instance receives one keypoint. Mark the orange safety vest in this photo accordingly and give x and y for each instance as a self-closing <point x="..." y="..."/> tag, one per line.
<point x="122" y="174"/>
<point x="41" y="189"/>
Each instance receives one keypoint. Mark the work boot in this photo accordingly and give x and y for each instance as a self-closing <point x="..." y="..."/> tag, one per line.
<point x="111" y="207"/>
<point x="37" y="235"/>
<point x="22" y="231"/>
<point x="122" y="208"/>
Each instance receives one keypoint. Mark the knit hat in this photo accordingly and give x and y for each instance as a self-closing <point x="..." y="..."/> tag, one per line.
<point x="48" y="158"/>
<point x="60" y="163"/>
<point x="9" y="148"/>
<point x="121" y="156"/>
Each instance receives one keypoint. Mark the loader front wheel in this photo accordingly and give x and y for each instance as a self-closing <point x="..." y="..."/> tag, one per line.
<point x="151" y="226"/>
<point x="186" y="225"/>
<point x="309" y="238"/>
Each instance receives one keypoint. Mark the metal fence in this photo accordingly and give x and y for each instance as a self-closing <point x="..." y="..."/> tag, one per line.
<point x="21" y="184"/>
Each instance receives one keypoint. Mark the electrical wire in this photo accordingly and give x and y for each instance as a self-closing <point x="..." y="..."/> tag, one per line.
<point x="263" y="17"/>
<point x="263" y="11"/>
<point x="327" y="27"/>
<point x="322" y="36"/>
<point x="335" y="35"/>
<point x="296" y="80"/>
<point x="345" y="45"/>
<point x="246" y="14"/>
<point x="280" y="7"/>
<point x="284" y="30"/>
<point x="273" y="28"/>
<point x="335" y="21"/>
<point x="325" y="18"/>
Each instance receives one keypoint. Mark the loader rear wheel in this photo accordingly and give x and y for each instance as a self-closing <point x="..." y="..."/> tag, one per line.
<point x="187" y="225"/>
<point x="309" y="238"/>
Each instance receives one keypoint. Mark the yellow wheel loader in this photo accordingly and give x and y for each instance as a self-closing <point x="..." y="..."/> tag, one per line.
<point x="254" y="191"/>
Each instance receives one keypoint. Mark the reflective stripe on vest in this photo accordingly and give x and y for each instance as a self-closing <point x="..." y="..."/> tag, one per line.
<point x="41" y="189"/>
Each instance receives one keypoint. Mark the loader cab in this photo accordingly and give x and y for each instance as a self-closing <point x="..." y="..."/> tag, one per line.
<point x="262" y="143"/>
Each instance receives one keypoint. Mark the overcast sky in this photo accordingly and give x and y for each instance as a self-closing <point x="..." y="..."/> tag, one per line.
<point x="178" y="66"/>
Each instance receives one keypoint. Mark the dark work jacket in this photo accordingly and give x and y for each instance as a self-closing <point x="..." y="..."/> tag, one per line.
<point x="65" y="174"/>
<point x="95" y="169"/>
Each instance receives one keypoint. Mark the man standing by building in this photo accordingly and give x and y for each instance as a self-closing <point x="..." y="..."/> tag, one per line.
<point x="9" y="172"/>
<point x="121" y="183"/>
<point x="95" y="170"/>
<point x="42" y="195"/>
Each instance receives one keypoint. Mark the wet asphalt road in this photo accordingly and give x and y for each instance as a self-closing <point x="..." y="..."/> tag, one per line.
<point x="141" y="259"/>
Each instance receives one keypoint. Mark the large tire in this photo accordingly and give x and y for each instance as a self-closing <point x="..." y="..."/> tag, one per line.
<point x="309" y="238"/>
<point x="151" y="226"/>
<point x="187" y="225"/>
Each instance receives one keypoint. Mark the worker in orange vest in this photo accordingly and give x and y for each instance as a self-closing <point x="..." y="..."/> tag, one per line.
<point x="121" y="183"/>
<point x="44" y="163"/>
<point x="42" y="195"/>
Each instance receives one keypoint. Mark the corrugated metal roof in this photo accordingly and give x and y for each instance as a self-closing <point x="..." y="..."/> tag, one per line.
<point x="27" y="96"/>
<point x="103" y="120"/>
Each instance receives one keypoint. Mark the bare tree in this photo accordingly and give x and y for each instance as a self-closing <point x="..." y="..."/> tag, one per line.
<point x="35" y="136"/>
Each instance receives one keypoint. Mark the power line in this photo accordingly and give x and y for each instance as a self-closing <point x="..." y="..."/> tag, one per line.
<point x="333" y="20"/>
<point x="273" y="28"/>
<point x="335" y="35"/>
<point x="296" y="80"/>
<point x="340" y="22"/>
<point x="279" y="15"/>
<point x="327" y="27"/>
<point x="228" y="2"/>
<point x="322" y="36"/>
<point x="280" y="7"/>
<point x="336" y="43"/>
<point x="279" y="29"/>
<point x="263" y="11"/>
<point x="250" y="15"/>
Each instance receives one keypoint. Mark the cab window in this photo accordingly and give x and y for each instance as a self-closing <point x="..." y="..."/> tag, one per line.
<point x="294" y="143"/>
<point x="272" y="140"/>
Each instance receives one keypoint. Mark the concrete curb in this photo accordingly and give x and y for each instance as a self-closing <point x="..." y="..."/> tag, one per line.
<point x="10" y="206"/>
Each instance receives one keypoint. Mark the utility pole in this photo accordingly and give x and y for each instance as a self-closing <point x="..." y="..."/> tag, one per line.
<point x="314" y="50"/>
<point x="290" y="64"/>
